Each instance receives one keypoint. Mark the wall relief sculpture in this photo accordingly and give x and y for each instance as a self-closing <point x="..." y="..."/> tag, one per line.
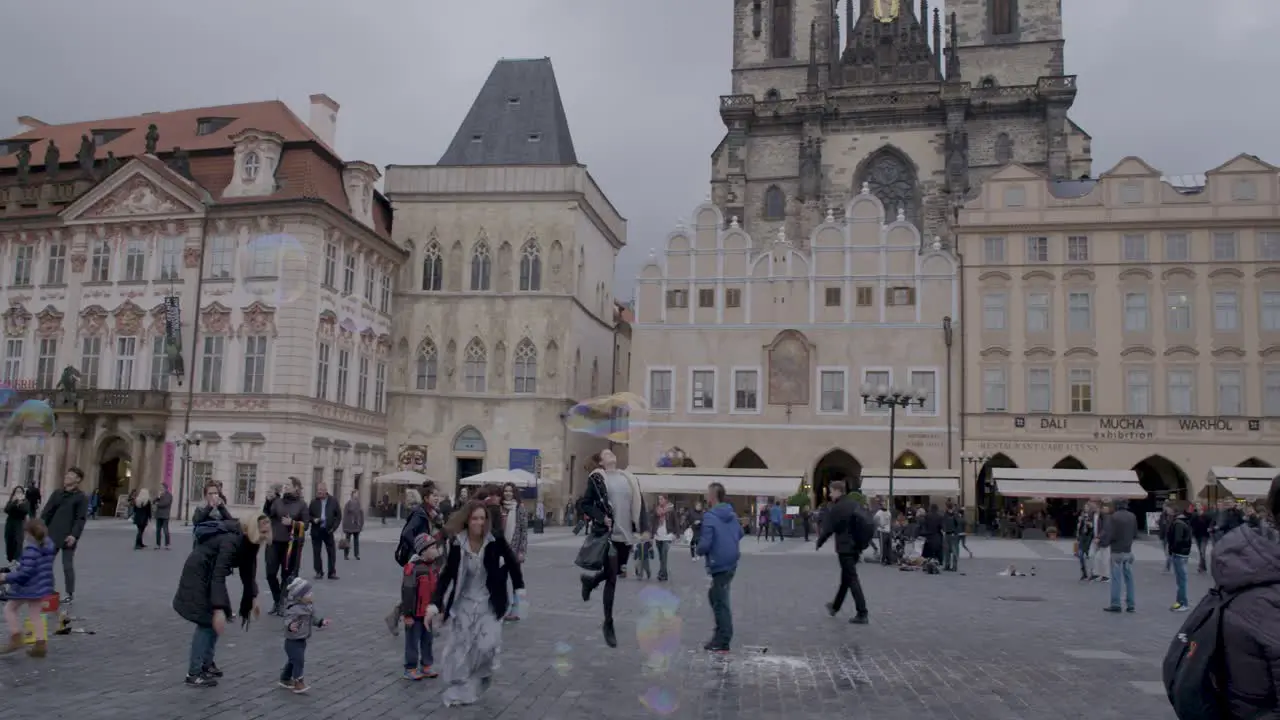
<point x="129" y="319"/>
<point x="137" y="196"/>
<point x="499" y="359"/>
<point x="503" y="283"/>
<point x="327" y="324"/>
<point x="49" y="323"/>
<point x="258" y="319"/>
<point x="789" y="369"/>
<point x="78" y="260"/>
<point x="215" y="319"/>
<point x="93" y="321"/>
<point x="16" y="321"/>
<point x="450" y="364"/>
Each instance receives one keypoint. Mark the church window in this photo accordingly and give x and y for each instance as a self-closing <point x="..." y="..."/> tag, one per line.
<point x="526" y="367"/>
<point x="775" y="203"/>
<point x="780" y="30"/>
<point x="772" y="94"/>
<point x="530" y="267"/>
<point x="1003" y="16"/>
<point x="893" y="182"/>
<point x="1004" y="148"/>
<point x="432" y="268"/>
<point x="251" y="164"/>
<point x="475" y="366"/>
<point x="427" y="363"/>
<point x="481" y="267"/>
<point x="988" y="81"/>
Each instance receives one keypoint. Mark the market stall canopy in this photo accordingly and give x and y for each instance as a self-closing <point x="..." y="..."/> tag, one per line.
<point x="1056" y="483"/>
<point x="502" y="476"/>
<point x="1245" y="483"/>
<point x="403" y="477"/>
<point x="771" y="483"/>
<point x="911" y="482"/>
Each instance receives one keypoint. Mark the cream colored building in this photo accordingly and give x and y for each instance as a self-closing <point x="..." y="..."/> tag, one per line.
<point x="504" y="312"/>
<point x="1130" y="322"/>
<point x="751" y="351"/>
<point x="278" y="258"/>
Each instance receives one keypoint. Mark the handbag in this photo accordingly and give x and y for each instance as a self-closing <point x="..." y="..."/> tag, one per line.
<point x="596" y="548"/>
<point x="344" y="543"/>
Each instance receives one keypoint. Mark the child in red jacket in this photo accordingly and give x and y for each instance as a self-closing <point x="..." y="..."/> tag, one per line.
<point x="420" y="577"/>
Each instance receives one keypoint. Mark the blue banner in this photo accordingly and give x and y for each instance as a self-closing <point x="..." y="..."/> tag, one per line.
<point x="530" y="461"/>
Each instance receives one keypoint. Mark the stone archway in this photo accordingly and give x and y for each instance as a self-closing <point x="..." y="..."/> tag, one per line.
<point x="984" y="493"/>
<point x="747" y="459"/>
<point x="115" y="474"/>
<point x="908" y="460"/>
<point x="469" y="450"/>
<point x="1254" y="462"/>
<point x="1069" y="462"/>
<point x="1163" y="479"/>
<point x="835" y="465"/>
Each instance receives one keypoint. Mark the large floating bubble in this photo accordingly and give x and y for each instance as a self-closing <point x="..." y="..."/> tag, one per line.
<point x="562" y="663"/>
<point x="6" y="394"/>
<point x="660" y="701"/>
<point x="658" y="629"/>
<point x="31" y="416"/>
<point x="621" y="417"/>
<point x="280" y="256"/>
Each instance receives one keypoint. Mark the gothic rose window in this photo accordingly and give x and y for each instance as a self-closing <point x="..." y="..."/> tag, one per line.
<point x="893" y="182"/>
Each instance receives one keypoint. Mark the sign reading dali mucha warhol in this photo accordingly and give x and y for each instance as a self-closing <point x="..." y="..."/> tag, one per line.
<point x="1135" y="427"/>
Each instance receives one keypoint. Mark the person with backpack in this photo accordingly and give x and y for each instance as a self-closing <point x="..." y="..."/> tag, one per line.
<point x="1178" y="541"/>
<point x="1239" y="676"/>
<point x="853" y="528"/>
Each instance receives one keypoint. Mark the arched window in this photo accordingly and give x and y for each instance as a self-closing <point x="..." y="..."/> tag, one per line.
<point x="428" y="360"/>
<point x="1004" y="148"/>
<point x="432" y="268"/>
<point x="780" y="29"/>
<point x="893" y="182"/>
<point x="475" y="366"/>
<point x="481" y="267"/>
<point x="775" y="203"/>
<point x="526" y="367"/>
<point x="772" y="94"/>
<point x="251" y="164"/>
<point x="530" y="268"/>
<point x="1004" y="16"/>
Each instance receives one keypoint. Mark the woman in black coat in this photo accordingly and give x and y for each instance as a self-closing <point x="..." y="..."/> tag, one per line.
<point x="202" y="596"/>
<point x="15" y="515"/>
<point x="141" y="516"/>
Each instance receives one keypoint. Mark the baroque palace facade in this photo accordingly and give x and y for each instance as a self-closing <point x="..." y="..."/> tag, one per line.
<point x="225" y="301"/>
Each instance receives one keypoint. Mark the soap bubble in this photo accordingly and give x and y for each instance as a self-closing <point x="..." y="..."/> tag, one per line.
<point x="660" y="700"/>
<point x="658" y="629"/>
<point x="619" y="418"/>
<point x="31" y="415"/>
<point x="562" y="664"/>
<point x="281" y="256"/>
<point x="6" y="394"/>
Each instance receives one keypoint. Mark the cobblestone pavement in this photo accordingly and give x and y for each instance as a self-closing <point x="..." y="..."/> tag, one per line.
<point x="971" y="645"/>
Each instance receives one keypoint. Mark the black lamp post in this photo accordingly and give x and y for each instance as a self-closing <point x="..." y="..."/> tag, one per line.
<point x="974" y="460"/>
<point x="893" y="398"/>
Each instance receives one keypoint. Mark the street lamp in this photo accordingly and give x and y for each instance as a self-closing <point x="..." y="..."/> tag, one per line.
<point x="893" y="398"/>
<point x="975" y="460"/>
<point x="185" y="442"/>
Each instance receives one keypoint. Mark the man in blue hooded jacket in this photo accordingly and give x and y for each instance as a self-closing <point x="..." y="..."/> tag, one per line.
<point x="718" y="542"/>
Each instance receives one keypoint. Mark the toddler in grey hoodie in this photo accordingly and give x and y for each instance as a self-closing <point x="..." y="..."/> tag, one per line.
<point x="299" y="619"/>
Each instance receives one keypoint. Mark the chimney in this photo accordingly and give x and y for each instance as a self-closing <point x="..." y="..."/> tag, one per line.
<point x="324" y="118"/>
<point x="29" y="123"/>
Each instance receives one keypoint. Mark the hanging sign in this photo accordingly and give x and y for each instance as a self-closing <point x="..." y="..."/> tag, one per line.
<point x="173" y="336"/>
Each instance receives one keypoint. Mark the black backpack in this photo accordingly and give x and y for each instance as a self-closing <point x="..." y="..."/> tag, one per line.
<point x="862" y="526"/>
<point x="1193" y="666"/>
<point x="404" y="551"/>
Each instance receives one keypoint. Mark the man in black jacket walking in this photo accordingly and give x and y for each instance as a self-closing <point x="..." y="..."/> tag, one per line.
<point x="952" y="526"/>
<point x="841" y="519"/>
<point x="65" y="515"/>
<point x="326" y="519"/>
<point x="286" y="511"/>
<point x="1179" y="538"/>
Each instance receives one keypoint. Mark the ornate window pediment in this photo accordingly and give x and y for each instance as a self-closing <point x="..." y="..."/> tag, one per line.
<point x="16" y="321"/>
<point x="1137" y="350"/>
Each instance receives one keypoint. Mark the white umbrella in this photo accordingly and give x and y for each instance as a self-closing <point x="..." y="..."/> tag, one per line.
<point x="501" y="476"/>
<point x="403" y="477"/>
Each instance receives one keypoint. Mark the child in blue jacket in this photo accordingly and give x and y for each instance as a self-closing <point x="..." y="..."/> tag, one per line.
<point x="29" y="584"/>
<point x="718" y="542"/>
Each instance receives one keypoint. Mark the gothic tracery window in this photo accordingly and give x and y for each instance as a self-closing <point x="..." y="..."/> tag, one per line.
<point x="775" y="203"/>
<point x="432" y="268"/>
<point x="526" y="367"/>
<point x="475" y="366"/>
<point x="530" y="267"/>
<point x="1004" y="148"/>
<point x="481" y="266"/>
<point x="428" y="360"/>
<point x="780" y="29"/>
<point x="1003" y="16"/>
<point x="893" y="182"/>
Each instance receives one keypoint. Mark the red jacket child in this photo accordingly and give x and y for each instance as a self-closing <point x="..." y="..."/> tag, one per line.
<point x="420" y="578"/>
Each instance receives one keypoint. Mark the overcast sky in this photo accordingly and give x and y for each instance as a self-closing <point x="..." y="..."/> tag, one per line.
<point x="1186" y="84"/>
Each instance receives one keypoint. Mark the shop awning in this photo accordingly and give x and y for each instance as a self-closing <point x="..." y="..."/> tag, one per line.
<point x="1056" y="483"/>
<point x="1245" y="483"/>
<point x="736" y="482"/>
<point x="911" y="482"/>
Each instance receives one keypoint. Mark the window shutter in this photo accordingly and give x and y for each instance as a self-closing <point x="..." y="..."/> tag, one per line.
<point x="888" y="297"/>
<point x="911" y="296"/>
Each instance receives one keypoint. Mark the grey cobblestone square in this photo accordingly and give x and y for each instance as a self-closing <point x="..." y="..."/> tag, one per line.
<point x="938" y="646"/>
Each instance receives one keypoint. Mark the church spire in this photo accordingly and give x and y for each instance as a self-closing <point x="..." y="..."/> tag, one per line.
<point x="924" y="17"/>
<point x="937" y="39"/>
<point x="812" y="80"/>
<point x="848" y="23"/>
<point x="953" y="54"/>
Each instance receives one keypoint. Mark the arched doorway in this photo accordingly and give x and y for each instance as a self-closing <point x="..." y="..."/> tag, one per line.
<point x="1063" y="512"/>
<point x="469" y="449"/>
<point x="908" y="460"/>
<point x="835" y="465"/>
<point x="115" y="472"/>
<point x="1254" y="462"/>
<point x="1069" y="462"/>
<point x="747" y="459"/>
<point x="985" y="488"/>
<point x="1162" y="479"/>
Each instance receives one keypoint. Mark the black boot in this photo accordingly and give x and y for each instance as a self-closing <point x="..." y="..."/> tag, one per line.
<point x="610" y="637"/>
<point x="588" y="584"/>
<point x="859" y="619"/>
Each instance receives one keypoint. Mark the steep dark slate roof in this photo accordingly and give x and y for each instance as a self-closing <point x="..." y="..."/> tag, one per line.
<point x="519" y="102"/>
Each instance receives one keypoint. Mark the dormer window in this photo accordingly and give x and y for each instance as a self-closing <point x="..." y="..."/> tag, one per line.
<point x="251" y="165"/>
<point x="366" y="201"/>
<point x="535" y="137"/>
<point x="513" y="101"/>
<point x="102" y="137"/>
<point x="1244" y="190"/>
<point x="1131" y="193"/>
<point x="477" y="138"/>
<point x="209" y="126"/>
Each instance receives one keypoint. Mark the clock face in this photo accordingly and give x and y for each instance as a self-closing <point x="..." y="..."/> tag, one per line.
<point x="886" y="11"/>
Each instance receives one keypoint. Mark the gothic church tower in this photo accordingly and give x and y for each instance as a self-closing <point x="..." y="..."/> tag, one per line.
<point x="829" y="95"/>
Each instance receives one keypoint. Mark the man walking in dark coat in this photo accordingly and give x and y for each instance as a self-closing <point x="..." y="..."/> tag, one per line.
<point x="286" y="511"/>
<point x="65" y="515"/>
<point x="162" y="506"/>
<point x="326" y="519"/>
<point x="840" y="519"/>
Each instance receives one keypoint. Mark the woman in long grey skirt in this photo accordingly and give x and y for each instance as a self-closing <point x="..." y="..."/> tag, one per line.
<point x="471" y="597"/>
